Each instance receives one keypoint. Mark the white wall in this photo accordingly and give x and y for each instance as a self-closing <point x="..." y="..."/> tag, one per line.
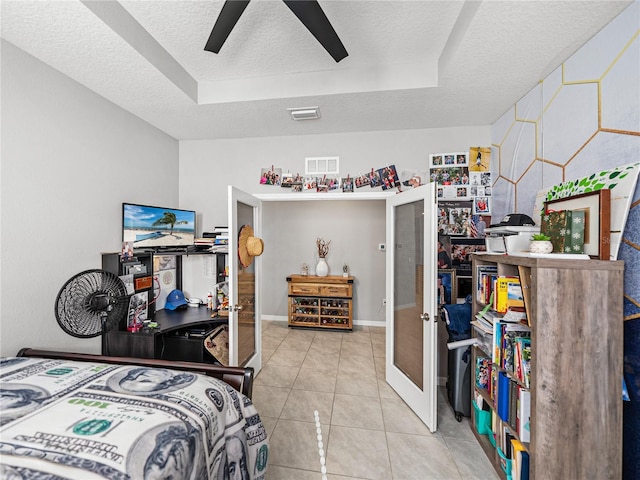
<point x="69" y="160"/>
<point x="289" y="230"/>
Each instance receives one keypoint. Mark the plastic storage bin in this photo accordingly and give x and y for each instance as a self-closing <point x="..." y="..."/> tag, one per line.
<point x="505" y="463"/>
<point x="483" y="420"/>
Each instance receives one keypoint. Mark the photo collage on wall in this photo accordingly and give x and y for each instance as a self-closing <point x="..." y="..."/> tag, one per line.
<point x="463" y="191"/>
<point x="451" y="172"/>
<point x="386" y="178"/>
<point x="454" y="217"/>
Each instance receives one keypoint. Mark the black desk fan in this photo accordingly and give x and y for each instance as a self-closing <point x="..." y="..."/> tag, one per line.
<point x="90" y="303"/>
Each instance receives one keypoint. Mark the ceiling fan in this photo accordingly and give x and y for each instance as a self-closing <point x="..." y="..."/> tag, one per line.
<point x="308" y="12"/>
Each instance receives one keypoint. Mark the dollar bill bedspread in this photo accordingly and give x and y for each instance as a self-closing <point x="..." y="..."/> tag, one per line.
<point x="64" y="419"/>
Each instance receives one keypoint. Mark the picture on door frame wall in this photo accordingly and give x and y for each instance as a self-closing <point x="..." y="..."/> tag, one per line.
<point x="482" y="205"/>
<point x="271" y="176"/>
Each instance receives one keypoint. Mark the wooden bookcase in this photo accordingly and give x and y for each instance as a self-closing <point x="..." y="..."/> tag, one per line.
<point x="320" y="302"/>
<point x="574" y="308"/>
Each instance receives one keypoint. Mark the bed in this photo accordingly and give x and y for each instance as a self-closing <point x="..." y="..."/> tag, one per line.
<point x="79" y="416"/>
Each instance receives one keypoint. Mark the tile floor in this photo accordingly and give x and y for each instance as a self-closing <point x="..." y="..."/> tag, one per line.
<point x="367" y="430"/>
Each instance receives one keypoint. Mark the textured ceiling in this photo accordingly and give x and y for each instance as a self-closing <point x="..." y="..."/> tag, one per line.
<point x="411" y="64"/>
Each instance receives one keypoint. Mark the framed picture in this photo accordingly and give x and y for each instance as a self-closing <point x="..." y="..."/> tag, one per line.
<point x="436" y="160"/>
<point x="464" y="286"/>
<point x="462" y="159"/>
<point x="444" y="252"/>
<point x="597" y="227"/>
<point x="271" y="176"/>
<point x="479" y="159"/>
<point x="482" y="205"/>
<point x="414" y="178"/>
<point x="450" y="174"/>
<point x="453" y="217"/>
<point x="347" y="184"/>
<point x="446" y="287"/>
<point x="461" y="250"/>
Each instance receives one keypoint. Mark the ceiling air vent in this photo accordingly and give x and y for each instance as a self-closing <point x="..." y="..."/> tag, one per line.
<point x="306" y="113"/>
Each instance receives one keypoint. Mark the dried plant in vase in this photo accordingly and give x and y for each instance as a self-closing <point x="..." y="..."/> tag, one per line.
<point x="323" y="247"/>
<point x="322" y="269"/>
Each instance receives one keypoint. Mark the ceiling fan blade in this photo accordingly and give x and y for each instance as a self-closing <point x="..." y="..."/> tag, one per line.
<point x="229" y="15"/>
<point x="312" y="16"/>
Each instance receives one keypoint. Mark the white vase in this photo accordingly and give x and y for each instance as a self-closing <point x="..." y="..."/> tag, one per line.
<point x="322" y="269"/>
<point x="540" y="246"/>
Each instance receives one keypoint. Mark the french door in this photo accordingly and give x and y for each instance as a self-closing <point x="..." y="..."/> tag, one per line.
<point x="412" y="330"/>
<point x="245" y="334"/>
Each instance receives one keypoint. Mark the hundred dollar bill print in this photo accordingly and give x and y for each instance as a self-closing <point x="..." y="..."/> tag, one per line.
<point x="79" y="420"/>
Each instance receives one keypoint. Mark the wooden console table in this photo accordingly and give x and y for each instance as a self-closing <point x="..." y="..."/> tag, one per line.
<point x="321" y="302"/>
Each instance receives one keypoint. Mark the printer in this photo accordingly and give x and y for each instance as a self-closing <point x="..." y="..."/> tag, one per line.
<point x="511" y="235"/>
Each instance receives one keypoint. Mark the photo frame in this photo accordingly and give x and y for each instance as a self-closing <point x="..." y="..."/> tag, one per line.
<point x="461" y="250"/>
<point x="450" y="174"/>
<point x="453" y="217"/>
<point x="482" y="205"/>
<point x="446" y="287"/>
<point x="597" y="228"/>
<point x="444" y="252"/>
<point x="465" y="286"/>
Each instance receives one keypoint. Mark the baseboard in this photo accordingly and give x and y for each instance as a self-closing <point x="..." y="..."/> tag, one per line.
<point x="275" y="318"/>
<point x="364" y="323"/>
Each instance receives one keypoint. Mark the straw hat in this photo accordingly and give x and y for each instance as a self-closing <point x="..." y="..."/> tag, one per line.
<point x="248" y="246"/>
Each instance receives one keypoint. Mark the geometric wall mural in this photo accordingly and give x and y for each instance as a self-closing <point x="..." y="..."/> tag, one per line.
<point x="582" y="119"/>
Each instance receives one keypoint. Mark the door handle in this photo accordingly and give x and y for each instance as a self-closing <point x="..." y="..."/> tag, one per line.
<point x="425" y="317"/>
<point x="237" y="308"/>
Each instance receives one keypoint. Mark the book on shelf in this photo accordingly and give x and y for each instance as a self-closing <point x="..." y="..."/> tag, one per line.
<point x="493" y="387"/>
<point x="511" y="331"/>
<point x="482" y="325"/>
<point x="525" y="280"/>
<point x="503" y="396"/>
<point x="483" y="366"/>
<point x="497" y="342"/>
<point x="514" y="396"/>
<point x="500" y="295"/>
<point x="524" y="465"/>
<point x="522" y="359"/>
<point x="508" y="293"/>
<point x="490" y="315"/>
<point x="515" y="315"/>
<point x="523" y="421"/>
<point x="516" y="459"/>
<point x="514" y="294"/>
<point x="484" y="282"/>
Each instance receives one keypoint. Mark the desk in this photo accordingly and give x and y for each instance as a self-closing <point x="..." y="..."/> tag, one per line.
<point x="176" y="337"/>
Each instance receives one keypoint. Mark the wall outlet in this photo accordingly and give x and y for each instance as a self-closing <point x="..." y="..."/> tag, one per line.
<point x="381" y="247"/>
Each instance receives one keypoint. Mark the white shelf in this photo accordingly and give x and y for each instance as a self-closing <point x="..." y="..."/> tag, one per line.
<point x="302" y="196"/>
